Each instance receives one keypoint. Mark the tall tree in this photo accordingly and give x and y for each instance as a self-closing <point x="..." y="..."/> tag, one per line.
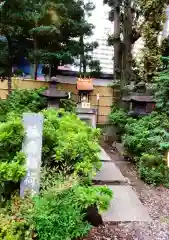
<point x="45" y="21"/>
<point x="154" y="16"/>
<point x="13" y="19"/>
<point x="57" y="42"/>
<point x="86" y="46"/>
<point x="51" y="27"/>
<point x="124" y="14"/>
<point x="127" y="16"/>
<point x="114" y="16"/>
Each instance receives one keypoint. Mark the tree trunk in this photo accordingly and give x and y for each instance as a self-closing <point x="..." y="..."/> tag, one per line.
<point x="127" y="45"/>
<point x="35" y="60"/>
<point x="50" y="71"/>
<point x="117" y="51"/>
<point x="9" y="64"/>
<point x="82" y="57"/>
<point x="129" y="42"/>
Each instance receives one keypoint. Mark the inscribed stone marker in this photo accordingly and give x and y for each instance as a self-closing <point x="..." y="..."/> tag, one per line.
<point x="32" y="147"/>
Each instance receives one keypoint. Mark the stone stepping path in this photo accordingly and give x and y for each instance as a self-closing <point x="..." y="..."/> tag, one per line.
<point x="125" y="205"/>
<point x="109" y="174"/>
<point x="104" y="156"/>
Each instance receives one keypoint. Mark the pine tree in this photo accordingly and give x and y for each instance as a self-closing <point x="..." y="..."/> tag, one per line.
<point x="50" y="30"/>
<point x="13" y="19"/>
<point x="45" y="21"/>
<point x="56" y="42"/>
<point x="86" y="46"/>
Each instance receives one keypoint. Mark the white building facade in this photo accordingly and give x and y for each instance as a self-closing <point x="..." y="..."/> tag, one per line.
<point x="103" y="27"/>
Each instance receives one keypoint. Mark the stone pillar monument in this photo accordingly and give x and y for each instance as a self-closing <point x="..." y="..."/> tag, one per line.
<point x="32" y="147"/>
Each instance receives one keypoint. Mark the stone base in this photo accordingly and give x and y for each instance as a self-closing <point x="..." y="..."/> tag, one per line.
<point x="88" y="115"/>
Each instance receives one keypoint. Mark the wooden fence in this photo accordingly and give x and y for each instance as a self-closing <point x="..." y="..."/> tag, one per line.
<point x="107" y="94"/>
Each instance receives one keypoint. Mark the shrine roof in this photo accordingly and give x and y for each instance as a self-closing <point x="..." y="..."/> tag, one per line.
<point x="139" y="98"/>
<point x="84" y="84"/>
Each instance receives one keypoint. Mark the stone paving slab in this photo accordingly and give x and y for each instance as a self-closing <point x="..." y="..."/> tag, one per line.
<point x="103" y="155"/>
<point x="125" y="206"/>
<point x="109" y="173"/>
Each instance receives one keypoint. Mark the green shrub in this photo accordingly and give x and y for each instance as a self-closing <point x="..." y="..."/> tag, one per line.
<point x="60" y="209"/>
<point x="153" y="169"/>
<point x="68" y="140"/>
<point x="146" y="139"/>
<point x="151" y="160"/>
<point x="20" y="101"/>
<point x="119" y="118"/>
<point x="57" y="213"/>
<point x="11" y="159"/>
<point x="13" y="170"/>
<point x="147" y="134"/>
<point x="16" y="220"/>
<point x="11" y="138"/>
<point x="68" y="105"/>
<point x="12" y="228"/>
<point x="162" y="92"/>
<point x="152" y="175"/>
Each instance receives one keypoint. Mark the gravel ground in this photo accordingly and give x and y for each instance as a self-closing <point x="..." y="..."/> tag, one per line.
<point x="155" y="199"/>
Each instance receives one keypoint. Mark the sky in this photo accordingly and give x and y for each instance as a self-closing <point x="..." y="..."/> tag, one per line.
<point x="98" y="18"/>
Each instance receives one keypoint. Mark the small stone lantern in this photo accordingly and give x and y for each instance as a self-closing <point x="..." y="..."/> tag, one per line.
<point x="53" y="95"/>
<point x="140" y="102"/>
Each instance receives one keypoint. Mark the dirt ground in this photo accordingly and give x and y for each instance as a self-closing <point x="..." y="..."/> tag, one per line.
<point x="156" y="199"/>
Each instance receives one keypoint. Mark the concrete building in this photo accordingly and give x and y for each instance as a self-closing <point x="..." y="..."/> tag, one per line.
<point x="103" y="27"/>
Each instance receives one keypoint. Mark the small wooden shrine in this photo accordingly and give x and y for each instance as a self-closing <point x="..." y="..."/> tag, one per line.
<point x="84" y="87"/>
<point x="84" y="109"/>
<point x="53" y="95"/>
<point x="140" y="103"/>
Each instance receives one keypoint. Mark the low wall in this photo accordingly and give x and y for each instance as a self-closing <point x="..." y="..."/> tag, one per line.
<point x="107" y="94"/>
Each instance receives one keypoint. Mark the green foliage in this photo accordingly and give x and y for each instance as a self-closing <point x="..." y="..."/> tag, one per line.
<point x="57" y="213"/>
<point x="3" y="58"/>
<point x="68" y="140"/>
<point x="11" y="137"/>
<point x="162" y="92"/>
<point x="146" y="139"/>
<point x="146" y="134"/>
<point x="20" y="101"/>
<point x="118" y="117"/>
<point x="89" y="196"/>
<point x="95" y="68"/>
<point x="68" y="105"/>
<point x="155" y="174"/>
<point x="14" y="170"/>
<point x="60" y="210"/>
<point x="16" y="221"/>
<point x="43" y="32"/>
<point x="154" y="15"/>
<point x="13" y="229"/>
<point x="72" y="147"/>
<point x="151" y="160"/>
<point x="11" y="159"/>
